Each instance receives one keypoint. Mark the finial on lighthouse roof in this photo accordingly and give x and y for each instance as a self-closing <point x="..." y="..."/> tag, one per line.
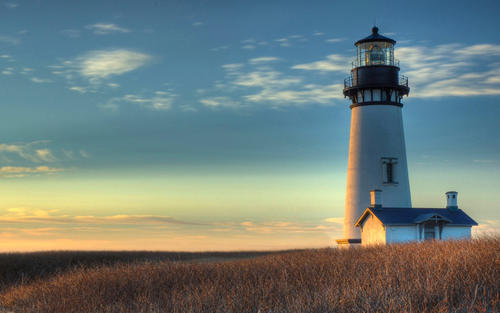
<point x="375" y="36"/>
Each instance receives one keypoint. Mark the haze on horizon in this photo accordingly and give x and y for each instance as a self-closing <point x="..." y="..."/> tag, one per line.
<point x="221" y="125"/>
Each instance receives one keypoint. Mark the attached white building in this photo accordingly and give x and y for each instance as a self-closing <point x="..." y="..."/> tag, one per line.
<point x="381" y="225"/>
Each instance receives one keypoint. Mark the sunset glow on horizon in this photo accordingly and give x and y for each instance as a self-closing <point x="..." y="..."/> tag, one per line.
<point x="211" y="126"/>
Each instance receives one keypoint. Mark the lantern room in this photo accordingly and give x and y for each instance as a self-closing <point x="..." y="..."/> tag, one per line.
<point x="375" y="50"/>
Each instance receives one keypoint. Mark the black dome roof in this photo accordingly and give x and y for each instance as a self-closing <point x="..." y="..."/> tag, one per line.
<point x="375" y="37"/>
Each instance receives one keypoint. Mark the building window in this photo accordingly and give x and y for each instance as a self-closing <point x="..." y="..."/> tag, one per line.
<point x="389" y="170"/>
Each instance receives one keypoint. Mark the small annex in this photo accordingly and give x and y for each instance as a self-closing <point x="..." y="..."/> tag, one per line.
<point x="381" y="225"/>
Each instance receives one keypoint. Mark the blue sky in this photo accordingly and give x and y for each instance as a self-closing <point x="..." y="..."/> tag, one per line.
<point x="221" y="124"/>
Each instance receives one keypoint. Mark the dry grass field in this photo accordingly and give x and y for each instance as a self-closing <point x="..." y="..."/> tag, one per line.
<point x="455" y="276"/>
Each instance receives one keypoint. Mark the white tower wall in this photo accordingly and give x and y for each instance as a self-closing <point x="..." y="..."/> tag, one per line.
<point x="376" y="138"/>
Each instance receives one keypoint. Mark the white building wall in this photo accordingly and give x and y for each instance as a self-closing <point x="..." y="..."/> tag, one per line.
<point x="456" y="232"/>
<point x="401" y="233"/>
<point x="373" y="231"/>
<point x="376" y="133"/>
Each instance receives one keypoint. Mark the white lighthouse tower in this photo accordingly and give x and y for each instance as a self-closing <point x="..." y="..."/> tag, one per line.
<point x="377" y="153"/>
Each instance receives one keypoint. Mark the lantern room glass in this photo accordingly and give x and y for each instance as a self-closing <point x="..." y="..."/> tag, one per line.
<point x="375" y="53"/>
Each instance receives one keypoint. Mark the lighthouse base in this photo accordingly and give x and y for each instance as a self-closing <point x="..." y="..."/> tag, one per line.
<point x="348" y="243"/>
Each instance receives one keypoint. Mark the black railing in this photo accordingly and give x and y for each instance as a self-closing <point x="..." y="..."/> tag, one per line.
<point x="403" y="81"/>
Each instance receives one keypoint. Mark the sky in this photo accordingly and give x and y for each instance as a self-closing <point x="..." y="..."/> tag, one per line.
<point x="221" y="125"/>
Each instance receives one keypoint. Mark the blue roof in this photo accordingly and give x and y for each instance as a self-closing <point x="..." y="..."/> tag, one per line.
<point x="406" y="216"/>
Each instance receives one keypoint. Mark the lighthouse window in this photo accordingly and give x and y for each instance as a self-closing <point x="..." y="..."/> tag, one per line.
<point x="367" y="95"/>
<point x="384" y="95"/>
<point x="376" y="94"/>
<point x="360" y="96"/>
<point x="393" y="96"/>
<point x="389" y="170"/>
<point x="390" y="173"/>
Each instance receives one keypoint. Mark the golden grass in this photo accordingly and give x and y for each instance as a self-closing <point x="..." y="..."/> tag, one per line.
<point x="453" y="276"/>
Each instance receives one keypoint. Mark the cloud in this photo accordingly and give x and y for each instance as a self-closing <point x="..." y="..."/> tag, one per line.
<point x="45" y="155"/>
<point x="79" y="89"/>
<point x="11" y="5"/>
<point x="159" y="101"/>
<point x="40" y="80"/>
<point x="220" y="102"/>
<point x="23" y="171"/>
<point x="334" y="40"/>
<point x="290" y="227"/>
<point x="219" y="48"/>
<point x="34" y="152"/>
<point x="283" y="42"/>
<point x="89" y="72"/>
<point x="337" y="220"/>
<point x="50" y="218"/>
<point x="265" y="78"/>
<point x="106" y="63"/>
<point x="27" y="151"/>
<point x="486" y="228"/>
<point x="258" y="83"/>
<point x="332" y="63"/>
<point x="9" y="40"/>
<point x="233" y="67"/>
<point x="451" y="69"/>
<point x="8" y="71"/>
<point x="106" y="28"/>
<point x="263" y="60"/>
<point x="198" y="24"/>
<point x="308" y="94"/>
<point x="248" y="47"/>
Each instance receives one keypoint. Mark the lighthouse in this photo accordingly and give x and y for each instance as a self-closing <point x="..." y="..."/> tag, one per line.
<point x="377" y="154"/>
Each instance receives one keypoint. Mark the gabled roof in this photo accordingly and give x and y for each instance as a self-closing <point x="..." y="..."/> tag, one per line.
<point x="408" y="216"/>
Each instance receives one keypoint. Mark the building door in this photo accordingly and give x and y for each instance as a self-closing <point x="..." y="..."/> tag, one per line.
<point x="429" y="231"/>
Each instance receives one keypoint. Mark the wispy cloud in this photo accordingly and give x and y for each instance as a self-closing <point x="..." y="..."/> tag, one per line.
<point x="106" y="63"/>
<point x="33" y="152"/>
<point x="106" y="28"/>
<point x="451" y="69"/>
<point x="11" y="5"/>
<point x="45" y="155"/>
<point x="220" y="102"/>
<point x="9" y="40"/>
<point x="332" y="63"/>
<point x="40" y="80"/>
<point x="90" y="70"/>
<point x="334" y="40"/>
<point x="258" y="83"/>
<point x="51" y="218"/>
<point x="263" y="60"/>
<point x="486" y="227"/>
<point x="21" y="171"/>
<point x="198" y="24"/>
<point x="158" y="101"/>
<point x="30" y="151"/>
